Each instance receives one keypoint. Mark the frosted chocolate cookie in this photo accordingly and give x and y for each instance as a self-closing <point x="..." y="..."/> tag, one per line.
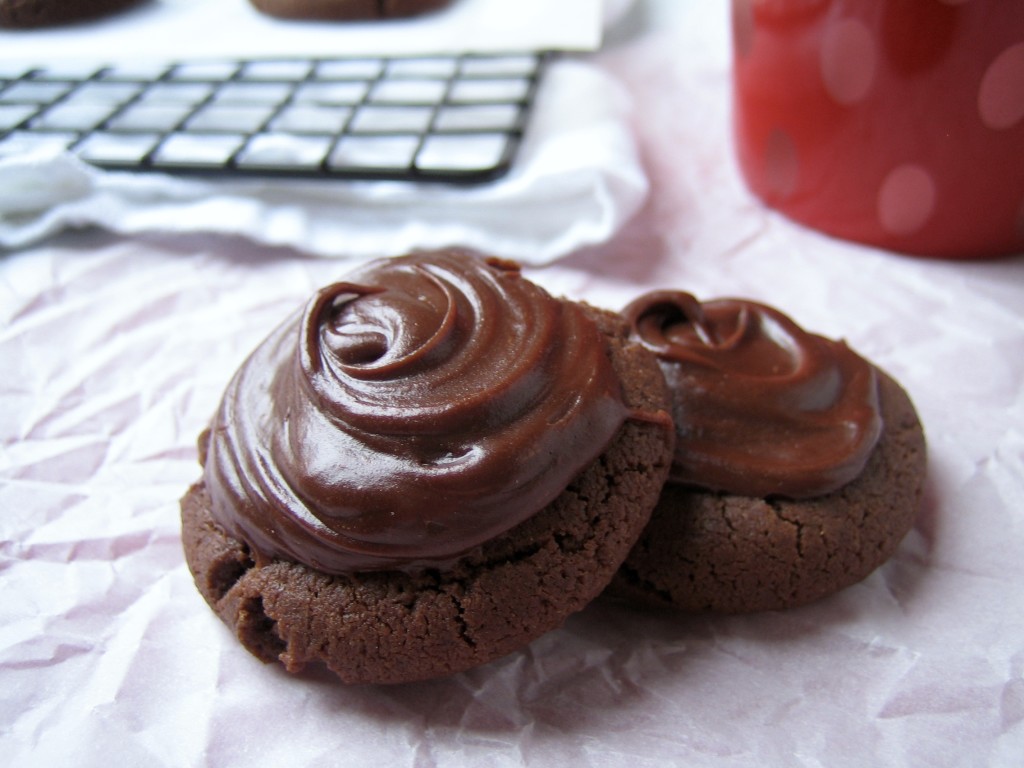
<point x="429" y="466"/>
<point x="347" y="10"/>
<point x="44" y="13"/>
<point x="799" y="466"/>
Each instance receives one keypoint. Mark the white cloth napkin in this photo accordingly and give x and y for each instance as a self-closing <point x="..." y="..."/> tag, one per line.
<point x="576" y="180"/>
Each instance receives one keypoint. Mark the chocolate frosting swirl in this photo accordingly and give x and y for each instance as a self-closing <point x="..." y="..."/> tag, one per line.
<point x="422" y="407"/>
<point x="761" y="407"/>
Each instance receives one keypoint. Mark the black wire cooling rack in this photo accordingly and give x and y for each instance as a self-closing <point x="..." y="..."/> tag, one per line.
<point x="451" y="118"/>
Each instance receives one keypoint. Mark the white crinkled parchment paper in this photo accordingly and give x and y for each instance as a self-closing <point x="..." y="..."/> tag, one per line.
<point x="114" y="352"/>
<point x="574" y="182"/>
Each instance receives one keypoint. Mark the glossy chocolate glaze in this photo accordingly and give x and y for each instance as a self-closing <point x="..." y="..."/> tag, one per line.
<point x="761" y="407"/>
<point x="422" y="407"/>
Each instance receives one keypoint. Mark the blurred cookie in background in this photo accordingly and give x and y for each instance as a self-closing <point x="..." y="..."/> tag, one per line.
<point x="347" y="10"/>
<point x="46" y="13"/>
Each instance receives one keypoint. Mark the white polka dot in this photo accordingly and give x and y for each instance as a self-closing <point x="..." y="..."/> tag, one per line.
<point x="781" y="165"/>
<point x="906" y="199"/>
<point x="848" y="61"/>
<point x="1001" y="95"/>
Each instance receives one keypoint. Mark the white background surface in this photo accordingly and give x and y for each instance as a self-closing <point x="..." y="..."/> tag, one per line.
<point x="115" y="351"/>
<point x="186" y="29"/>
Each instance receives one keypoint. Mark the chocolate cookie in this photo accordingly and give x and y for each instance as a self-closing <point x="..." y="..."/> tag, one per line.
<point x="347" y="10"/>
<point x="432" y="465"/>
<point x="799" y="466"/>
<point x="43" y="13"/>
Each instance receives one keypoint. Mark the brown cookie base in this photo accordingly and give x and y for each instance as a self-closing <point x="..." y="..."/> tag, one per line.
<point x="44" y="13"/>
<point x="391" y="627"/>
<point x="346" y="10"/>
<point x="717" y="553"/>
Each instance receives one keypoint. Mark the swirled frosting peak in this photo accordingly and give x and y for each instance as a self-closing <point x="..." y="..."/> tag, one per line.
<point x="761" y="407"/>
<point x="423" y="406"/>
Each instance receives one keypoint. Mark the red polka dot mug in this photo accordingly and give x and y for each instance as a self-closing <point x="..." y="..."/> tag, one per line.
<point x="896" y="123"/>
